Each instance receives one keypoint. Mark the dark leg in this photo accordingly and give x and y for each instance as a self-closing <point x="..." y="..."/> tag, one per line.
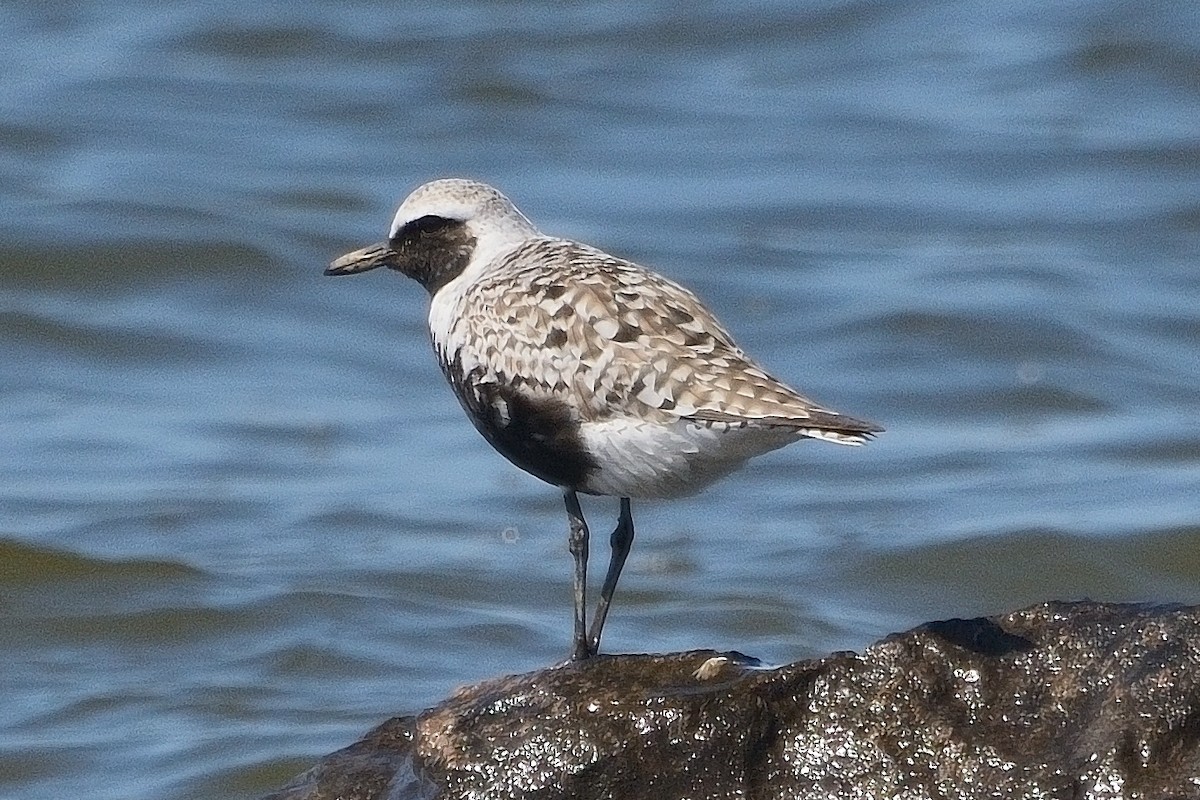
<point x="621" y="541"/>
<point x="578" y="544"/>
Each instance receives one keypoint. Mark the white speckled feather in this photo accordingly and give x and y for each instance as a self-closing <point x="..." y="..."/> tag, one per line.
<point x="666" y="401"/>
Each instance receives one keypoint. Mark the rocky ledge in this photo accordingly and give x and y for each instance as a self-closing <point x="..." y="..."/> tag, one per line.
<point x="1061" y="700"/>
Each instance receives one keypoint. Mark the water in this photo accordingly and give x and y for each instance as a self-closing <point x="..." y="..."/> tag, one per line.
<point x="242" y="520"/>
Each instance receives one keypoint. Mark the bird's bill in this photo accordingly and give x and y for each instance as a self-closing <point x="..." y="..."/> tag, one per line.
<point x="368" y="258"/>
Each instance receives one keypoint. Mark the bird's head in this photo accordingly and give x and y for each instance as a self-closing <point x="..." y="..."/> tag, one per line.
<point x="439" y="230"/>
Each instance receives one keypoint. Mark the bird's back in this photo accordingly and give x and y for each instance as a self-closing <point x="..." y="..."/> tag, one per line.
<point x="578" y="351"/>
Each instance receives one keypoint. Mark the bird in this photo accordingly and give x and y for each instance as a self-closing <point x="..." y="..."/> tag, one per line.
<point x="595" y="374"/>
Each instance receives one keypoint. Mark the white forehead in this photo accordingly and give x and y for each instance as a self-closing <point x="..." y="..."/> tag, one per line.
<point x="461" y="199"/>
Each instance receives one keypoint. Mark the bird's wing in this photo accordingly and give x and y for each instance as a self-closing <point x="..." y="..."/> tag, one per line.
<point x="617" y="338"/>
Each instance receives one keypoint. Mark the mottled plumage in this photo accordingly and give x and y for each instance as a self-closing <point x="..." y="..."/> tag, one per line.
<point x="584" y="369"/>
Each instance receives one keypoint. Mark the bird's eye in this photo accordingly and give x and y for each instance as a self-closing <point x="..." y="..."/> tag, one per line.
<point x="429" y="223"/>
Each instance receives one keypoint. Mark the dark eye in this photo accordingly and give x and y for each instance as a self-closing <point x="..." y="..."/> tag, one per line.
<point x="430" y="223"/>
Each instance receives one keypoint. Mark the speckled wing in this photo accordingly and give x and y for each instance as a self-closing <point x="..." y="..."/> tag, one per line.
<point x="563" y="321"/>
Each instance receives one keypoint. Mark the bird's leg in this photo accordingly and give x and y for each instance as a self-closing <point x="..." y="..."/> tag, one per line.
<point x="578" y="545"/>
<point x="621" y="541"/>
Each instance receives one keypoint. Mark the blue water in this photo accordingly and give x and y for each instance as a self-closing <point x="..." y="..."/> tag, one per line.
<point x="242" y="520"/>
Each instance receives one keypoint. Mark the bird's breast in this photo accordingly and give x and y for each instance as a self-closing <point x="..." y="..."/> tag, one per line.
<point x="537" y="431"/>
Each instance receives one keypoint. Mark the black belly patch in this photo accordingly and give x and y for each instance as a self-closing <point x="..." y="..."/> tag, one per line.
<point x="539" y="435"/>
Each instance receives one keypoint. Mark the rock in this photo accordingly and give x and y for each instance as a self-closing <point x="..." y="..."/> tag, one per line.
<point x="1061" y="700"/>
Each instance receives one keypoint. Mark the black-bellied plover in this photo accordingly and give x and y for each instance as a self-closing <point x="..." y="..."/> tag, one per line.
<point x="584" y="369"/>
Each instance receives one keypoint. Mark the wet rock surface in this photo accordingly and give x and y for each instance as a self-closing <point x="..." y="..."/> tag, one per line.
<point x="1061" y="700"/>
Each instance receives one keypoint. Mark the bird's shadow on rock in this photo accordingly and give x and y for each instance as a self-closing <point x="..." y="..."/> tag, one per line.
<point x="979" y="635"/>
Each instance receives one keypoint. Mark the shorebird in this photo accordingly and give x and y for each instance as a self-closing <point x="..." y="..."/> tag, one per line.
<point x="589" y="371"/>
